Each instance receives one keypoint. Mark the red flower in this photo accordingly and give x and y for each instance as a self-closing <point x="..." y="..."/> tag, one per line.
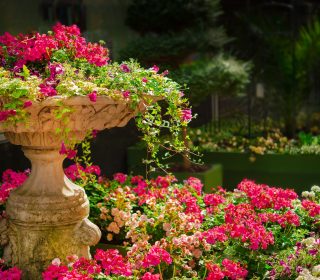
<point x="27" y="104"/>
<point x="93" y="96"/>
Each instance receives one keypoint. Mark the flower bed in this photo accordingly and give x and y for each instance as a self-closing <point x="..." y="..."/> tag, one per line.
<point x="174" y="231"/>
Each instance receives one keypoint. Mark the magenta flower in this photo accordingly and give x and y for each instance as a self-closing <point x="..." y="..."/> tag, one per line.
<point x="94" y="133"/>
<point x="112" y="262"/>
<point x="93" y="169"/>
<point x="73" y="171"/>
<point x="155" y="256"/>
<point x="144" y="80"/>
<point x="150" y="276"/>
<point x="11" y="274"/>
<point x="120" y="177"/>
<point x="186" y="115"/>
<point x="93" y="96"/>
<point x="70" y="153"/>
<point x="125" y="68"/>
<point x="55" y="69"/>
<point x="63" y="149"/>
<point x="47" y="90"/>
<point x="233" y="270"/>
<point x="4" y="115"/>
<point x="215" y="272"/>
<point x="155" y="68"/>
<point x="126" y="94"/>
<point x="27" y="104"/>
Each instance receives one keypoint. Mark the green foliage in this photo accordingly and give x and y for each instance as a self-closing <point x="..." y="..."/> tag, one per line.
<point x="219" y="75"/>
<point x="169" y="50"/>
<point x="286" y="60"/>
<point x="165" y="16"/>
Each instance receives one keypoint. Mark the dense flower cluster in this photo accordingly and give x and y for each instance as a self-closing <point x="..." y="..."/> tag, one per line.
<point x="9" y="274"/>
<point x="10" y="181"/>
<point x="106" y="263"/>
<point x="297" y="264"/>
<point x="262" y="196"/>
<point x="231" y="269"/>
<point x="172" y="230"/>
<point x="36" y="47"/>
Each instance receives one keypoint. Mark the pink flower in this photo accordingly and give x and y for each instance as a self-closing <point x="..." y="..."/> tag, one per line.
<point x="63" y="149"/>
<point x="195" y="184"/>
<point x="27" y="104"/>
<point x="312" y="207"/>
<point x="233" y="270"/>
<point x="93" y="96"/>
<point x="54" y="272"/>
<point x="125" y="68"/>
<point x="186" y="115"/>
<point x="150" y="276"/>
<point x="215" y="272"/>
<point x="94" y="133"/>
<point x="11" y="274"/>
<point x="112" y="262"/>
<point x="55" y="69"/>
<point x="126" y="94"/>
<point x="4" y="115"/>
<point x="144" y="80"/>
<point x="165" y="73"/>
<point x="155" y="68"/>
<point x="47" y="90"/>
<point x="120" y="177"/>
<point x="155" y="256"/>
<point x="93" y="169"/>
<point x="213" y="199"/>
<point x="73" y="172"/>
<point x="70" y="153"/>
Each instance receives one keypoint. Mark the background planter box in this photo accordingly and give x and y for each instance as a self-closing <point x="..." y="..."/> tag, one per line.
<point x="299" y="172"/>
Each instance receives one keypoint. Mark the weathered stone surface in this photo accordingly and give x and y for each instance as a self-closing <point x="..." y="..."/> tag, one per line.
<point x="47" y="216"/>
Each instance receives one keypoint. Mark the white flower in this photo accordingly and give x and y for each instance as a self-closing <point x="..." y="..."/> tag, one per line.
<point x="315" y="188"/>
<point x="56" y="261"/>
<point x="316" y="270"/>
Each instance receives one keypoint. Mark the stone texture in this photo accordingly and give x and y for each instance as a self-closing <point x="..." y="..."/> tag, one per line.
<point x="48" y="215"/>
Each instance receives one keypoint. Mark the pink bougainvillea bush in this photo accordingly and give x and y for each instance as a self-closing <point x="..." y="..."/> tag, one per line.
<point x="173" y="230"/>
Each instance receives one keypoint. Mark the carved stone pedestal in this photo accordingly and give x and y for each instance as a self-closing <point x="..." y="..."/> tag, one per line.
<point x="48" y="215"/>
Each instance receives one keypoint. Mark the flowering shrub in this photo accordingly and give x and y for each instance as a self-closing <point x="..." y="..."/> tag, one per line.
<point x="34" y="67"/>
<point x="172" y="230"/>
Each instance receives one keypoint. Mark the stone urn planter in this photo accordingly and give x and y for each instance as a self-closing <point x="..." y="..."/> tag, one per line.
<point x="47" y="217"/>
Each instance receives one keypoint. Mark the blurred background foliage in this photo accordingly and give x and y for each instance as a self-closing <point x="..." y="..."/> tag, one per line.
<point x="187" y="38"/>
